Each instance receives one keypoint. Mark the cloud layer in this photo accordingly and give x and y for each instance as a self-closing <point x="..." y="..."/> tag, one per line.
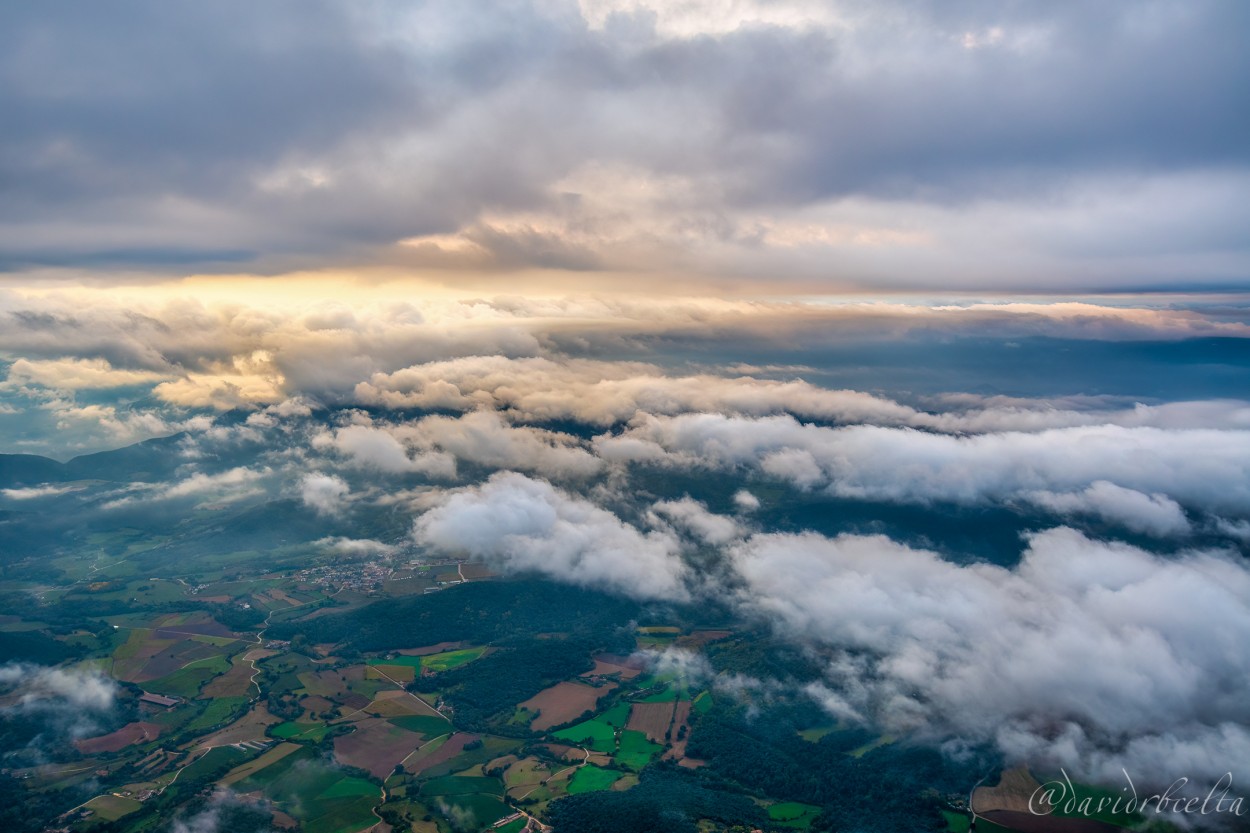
<point x="730" y="143"/>
<point x="1083" y="648"/>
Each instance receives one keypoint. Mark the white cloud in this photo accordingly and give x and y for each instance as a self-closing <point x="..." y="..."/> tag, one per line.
<point x="35" y="492"/>
<point x="485" y="438"/>
<point x="1082" y="648"/>
<point x="73" y="698"/>
<point x="228" y="486"/>
<point x="1199" y="468"/>
<point x="325" y="493"/>
<point x="745" y="501"/>
<point x="1149" y="514"/>
<point x="694" y="517"/>
<point x="358" y="546"/>
<point x="371" y="447"/>
<point x="78" y="374"/>
<point x="604" y="393"/>
<point x="519" y="524"/>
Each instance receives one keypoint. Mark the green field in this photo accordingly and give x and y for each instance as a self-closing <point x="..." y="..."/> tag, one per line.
<point x="812" y="735"/>
<point x="340" y="815"/>
<point x="703" y="703"/>
<point x="219" y="710"/>
<point x="492" y="747"/>
<point x="590" y="778"/>
<point x="462" y="785"/>
<point x="636" y="751"/>
<point x="451" y="659"/>
<point x="424" y="724"/>
<point x="319" y="795"/>
<point x="213" y="761"/>
<point x="616" y="716"/>
<point x="595" y="734"/>
<point x="793" y="814"/>
<point x="186" y="682"/>
<point x="860" y="752"/>
<point x="112" y="807"/>
<point x="349" y="788"/>
<point x="262" y="779"/>
<point x="445" y="661"/>
<point x="600" y="730"/>
<point x="485" y="809"/>
<point x="311" y="732"/>
<point x="672" y="692"/>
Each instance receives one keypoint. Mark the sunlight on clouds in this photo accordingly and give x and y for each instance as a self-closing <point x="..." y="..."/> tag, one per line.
<point x="245" y="381"/>
<point x="77" y="374"/>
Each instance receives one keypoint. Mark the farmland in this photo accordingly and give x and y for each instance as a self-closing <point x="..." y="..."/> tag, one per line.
<point x="562" y="703"/>
<point x="792" y="814"/>
<point x="459" y="726"/>
<point x="590" y="778"/>
<point x="652" y="719"/>
<point x="375" y="746"/>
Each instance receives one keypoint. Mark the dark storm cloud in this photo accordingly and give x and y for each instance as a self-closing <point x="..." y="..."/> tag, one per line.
<point x="281" y="134"/>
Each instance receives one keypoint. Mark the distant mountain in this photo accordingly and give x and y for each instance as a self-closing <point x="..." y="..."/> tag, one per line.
<point x="146" y="461"/>
<point x="29" y="470"/>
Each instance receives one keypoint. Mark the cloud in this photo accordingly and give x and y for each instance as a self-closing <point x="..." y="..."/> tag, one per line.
<point x="72" y="701"/>
<point x="518" y="524"/>
<point x="538" y="360"/>
<point x="1237" y="530"/>
<point x="1087" y="654"/>
<point x="35" y="492"/>
<point x="935" y="147"/>
<point x="77" y="374"/>
<point x="358" y="546"/>
<point x="1197" y="468"/>
<point x="604" y="393"/>
<point x="206" y="490"/>
<point x="1149" y="514"/>
<point x="377" y="448"/>
<point x="225" y="812"/>
<point x="325" y="493"/>
<point x="487" y="439"/>
<point x="694" y="517"/>
<point x="745" y="501"/>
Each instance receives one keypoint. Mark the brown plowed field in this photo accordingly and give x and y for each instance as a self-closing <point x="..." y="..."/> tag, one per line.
<point x="651" y="718"/>
<point x="376" y="746"/>
<point x="139" y="732"/>
<point x="563" y="702"/>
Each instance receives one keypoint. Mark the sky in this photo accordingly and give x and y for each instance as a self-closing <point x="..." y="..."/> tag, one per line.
<point x="737" y="147"/>
<point x="914" y="313"/>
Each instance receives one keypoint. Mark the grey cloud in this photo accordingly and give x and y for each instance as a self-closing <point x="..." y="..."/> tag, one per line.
<point x="158" y="136"/>
<point x="325" y="493"/>
<point x="225" y="810"/>
<point x="74" y="701"/>
<point x="377" y="448"/>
